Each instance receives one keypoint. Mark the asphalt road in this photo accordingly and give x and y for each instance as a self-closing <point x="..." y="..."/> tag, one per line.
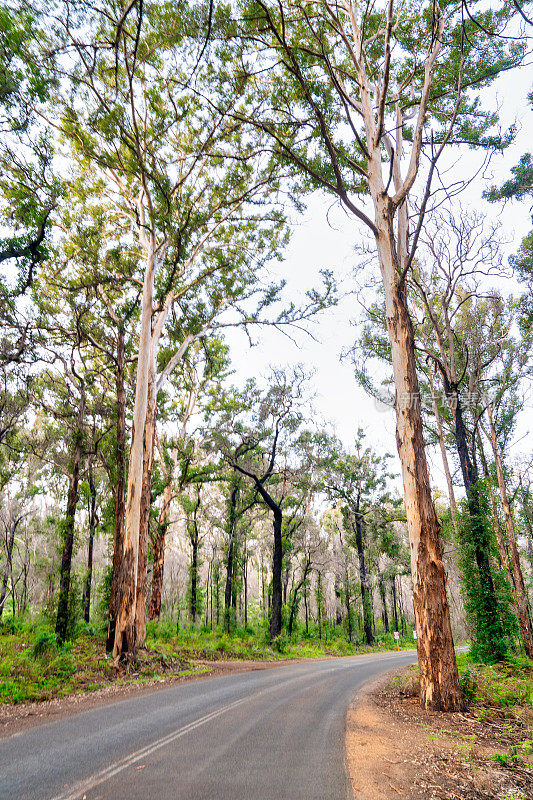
<point x="275" y="734"/>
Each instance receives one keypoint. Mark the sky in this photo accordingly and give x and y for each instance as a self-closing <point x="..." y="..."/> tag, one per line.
<point x="324" y="237"/>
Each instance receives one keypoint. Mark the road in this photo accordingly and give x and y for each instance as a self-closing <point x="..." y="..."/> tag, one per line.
<point x="275" y="734"/>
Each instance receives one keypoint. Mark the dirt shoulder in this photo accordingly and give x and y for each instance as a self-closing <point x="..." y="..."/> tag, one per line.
<point x="396" y="750"/>
<point x="16" y="717"/>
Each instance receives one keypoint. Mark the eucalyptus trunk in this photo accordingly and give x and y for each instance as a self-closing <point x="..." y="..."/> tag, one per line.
<point x="68" y="528"/>
<point x="231" y="528"/>
<point x="277" y="563"/>
<point x="470" y="479"/>
<point x="364" y="580"/>
<point x="494" y="510"/>
<point x="518" y="577"/>
<point x="92" y="530"/>
<point x="125" y="635"/>
<point x="158" y="546"/>
<point x="120" y="488"/>
<point x="146" y="502"/>
<point x="8" y="567"/>
<point x="439" y="677"/>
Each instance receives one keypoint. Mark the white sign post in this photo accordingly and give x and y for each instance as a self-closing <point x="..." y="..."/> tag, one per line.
<point x="397" y="637"/>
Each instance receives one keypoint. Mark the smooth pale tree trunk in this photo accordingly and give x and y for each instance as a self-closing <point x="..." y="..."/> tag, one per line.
<point x="439" y="677"/>
<point x="120" y="488"/>
<point x="518" y="578"/>
<point x="68" y="525"/>
<point x="444" y="457"/>
<point x="125" y="636"/>
<point x="93" y="521"/>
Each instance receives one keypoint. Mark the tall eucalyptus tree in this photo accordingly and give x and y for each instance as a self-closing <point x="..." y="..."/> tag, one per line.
<point x="355" y="95"/>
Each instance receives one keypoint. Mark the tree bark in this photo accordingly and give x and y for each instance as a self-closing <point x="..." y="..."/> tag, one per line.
<point x="68" y="525"/>
<point x="495" y="516"/>
<point x="277" y="564"/>
<point x="158" y="545"/>
<point x="93" y="521"/>
<point x="439" y="677"/>
<point x="194" y="538"/>
<point x="518" y="578"/>
<point x="231" y="531"/>
<point x="146" y="502"/>
<point x="470" y="478"/>
<point x="295" y="593"/>
<point x="120" y="489"/>
<point x="245" y="580"/>
<point x="394" y="603"/>
<point x="125" y="637"/>
<point x="383" y="596"/>
<point x="444" y="456"/>
<point x="363" y="576"/>
<point x="8" y="567"/>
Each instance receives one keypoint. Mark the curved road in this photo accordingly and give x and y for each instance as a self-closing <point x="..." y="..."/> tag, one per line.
<point x="275" y="734"/>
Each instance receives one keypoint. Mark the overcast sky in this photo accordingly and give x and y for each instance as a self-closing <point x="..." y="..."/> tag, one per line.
<point x="325" y="238"/>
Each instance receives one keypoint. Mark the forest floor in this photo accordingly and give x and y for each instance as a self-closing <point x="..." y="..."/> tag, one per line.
<point x="397" y="750"/>
<point x="34" y="667"/>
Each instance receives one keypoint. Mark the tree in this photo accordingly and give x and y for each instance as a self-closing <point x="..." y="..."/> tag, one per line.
<point x="29" y="190"/>
<point x="520" y="187"/>
<point x="254" y="441"/>
<point x="359" y="483"/>
<point x="187" y="185"/>
<point x="459" y="333"/>
<point x="345" y="83"/>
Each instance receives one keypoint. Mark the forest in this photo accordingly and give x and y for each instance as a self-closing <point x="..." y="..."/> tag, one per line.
<point x="155" y="160"/>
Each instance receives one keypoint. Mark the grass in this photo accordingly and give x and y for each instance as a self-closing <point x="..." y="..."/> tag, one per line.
<point x="254" y="644"/>
<point x="34" y="666"/>
<point x="506" y="686"/>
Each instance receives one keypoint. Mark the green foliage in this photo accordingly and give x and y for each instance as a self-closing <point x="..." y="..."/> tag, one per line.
<point x="504" y="685"/>
<point x="45" y="643"/>
<point x="487" y="596"/>
<point x="34" y="666"/>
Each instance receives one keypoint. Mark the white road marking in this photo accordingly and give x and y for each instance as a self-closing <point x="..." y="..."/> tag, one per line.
<point x="109" y="772"/>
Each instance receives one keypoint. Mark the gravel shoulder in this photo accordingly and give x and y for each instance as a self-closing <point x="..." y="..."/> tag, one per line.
<point x="397" y="750"/>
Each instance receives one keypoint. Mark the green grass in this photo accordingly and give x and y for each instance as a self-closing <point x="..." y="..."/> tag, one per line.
<point x="34" y="666"/>
<point x="204" y="644"/>
<point x="507" y="685"/>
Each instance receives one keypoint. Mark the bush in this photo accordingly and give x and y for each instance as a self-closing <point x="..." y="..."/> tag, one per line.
<point x="487" y="595"/>
<point x="45" y="644"/>
<point x="281" y="643"/>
